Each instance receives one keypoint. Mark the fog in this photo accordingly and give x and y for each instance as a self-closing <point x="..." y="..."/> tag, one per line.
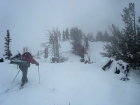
<point x="28" y="20"/>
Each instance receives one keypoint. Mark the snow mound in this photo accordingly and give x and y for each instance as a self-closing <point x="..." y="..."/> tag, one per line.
<point x="71" y="82"/>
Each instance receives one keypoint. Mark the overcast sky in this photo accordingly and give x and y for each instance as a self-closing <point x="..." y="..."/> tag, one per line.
<point x="28" y="20"/>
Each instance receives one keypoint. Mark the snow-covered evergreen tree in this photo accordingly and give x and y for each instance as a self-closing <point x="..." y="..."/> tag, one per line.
<point x="46" y="53"/>
<point x="54" y="44"/>
<point x="99" y="36"/>
<point x="8" y="53"/>
<point x="59" y="36"/>
<point x="90" y="37"/>
<point x="106" y="36"/>
<point x="125" y="44"/>
<point x="38" y="55"/>
<point x="76" y="39"/>
<point x="67" y="34"/>
<point x="63" y="36"/>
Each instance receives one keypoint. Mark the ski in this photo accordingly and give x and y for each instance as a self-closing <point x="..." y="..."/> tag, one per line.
<point x="21" y="87"/>
<point x="10" y="88"/>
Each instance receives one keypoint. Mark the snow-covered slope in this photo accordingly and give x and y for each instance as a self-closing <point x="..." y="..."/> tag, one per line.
<point x="70" y="83"/>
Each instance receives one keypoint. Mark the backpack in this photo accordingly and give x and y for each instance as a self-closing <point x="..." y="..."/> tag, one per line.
<point x="25" y="57"/>
<point x="21" y="60"/>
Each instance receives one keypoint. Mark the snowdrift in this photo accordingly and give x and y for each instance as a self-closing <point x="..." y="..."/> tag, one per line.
<point x="71" y="82"/>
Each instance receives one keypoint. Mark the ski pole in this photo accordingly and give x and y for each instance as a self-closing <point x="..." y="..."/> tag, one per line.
<point x="38" y="74"/>
<point x="15" y="77"/>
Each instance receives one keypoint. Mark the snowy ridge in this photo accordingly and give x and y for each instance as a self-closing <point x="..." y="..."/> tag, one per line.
<point x="71" y="82"/>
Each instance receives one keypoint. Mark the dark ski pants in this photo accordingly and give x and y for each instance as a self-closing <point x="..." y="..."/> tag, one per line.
<point x="82" y="55"/>
<point x="24" y="70"/>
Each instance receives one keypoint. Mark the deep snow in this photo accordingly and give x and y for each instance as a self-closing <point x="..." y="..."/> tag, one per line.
<point x="71" y="82"/>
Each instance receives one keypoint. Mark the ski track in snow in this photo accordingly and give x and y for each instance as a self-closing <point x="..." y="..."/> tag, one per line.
<point x="70" y="82"/>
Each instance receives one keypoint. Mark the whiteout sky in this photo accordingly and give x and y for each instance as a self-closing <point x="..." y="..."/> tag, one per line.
<point x="28" y="20"/>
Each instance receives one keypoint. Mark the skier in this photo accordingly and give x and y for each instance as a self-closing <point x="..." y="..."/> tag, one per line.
<point x="82" y="52"/>
<point x="24" y="68"/>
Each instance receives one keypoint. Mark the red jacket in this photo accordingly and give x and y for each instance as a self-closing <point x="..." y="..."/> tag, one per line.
<point x="83" y="50"/>
<point x="29" y="58"/>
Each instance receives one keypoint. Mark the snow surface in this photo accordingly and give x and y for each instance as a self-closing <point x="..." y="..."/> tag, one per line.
<point x="71" y="82"/>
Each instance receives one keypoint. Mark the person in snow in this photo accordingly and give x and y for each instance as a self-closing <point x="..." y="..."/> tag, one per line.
<point x="24" y="68"/>
<point x="82" y="52"/>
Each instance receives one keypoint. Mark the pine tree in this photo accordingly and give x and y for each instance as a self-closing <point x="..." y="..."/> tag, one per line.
<point x="113" y="49"/>
<point x="99" y="36"/>
<point x="76" y="37"/>
<point x="63" y="35"/>
<point x="38" y="55"/>
<point x="46" y="50"/>
<point x="106" y="36"/>
<point x="54" y="44"/>
<point x="125" y="44"/>
<point x="59" y="36"/>
<point x="8" y="53"/>
<point x="90" y="37"/>
<point x="67" y="34"/>
<point x="130" y="33"/>
<point x="46" y="53"/>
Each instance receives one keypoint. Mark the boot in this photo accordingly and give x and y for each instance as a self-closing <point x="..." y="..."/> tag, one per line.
<point x="22" y="84"/>
<point x="26" y="80"/>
